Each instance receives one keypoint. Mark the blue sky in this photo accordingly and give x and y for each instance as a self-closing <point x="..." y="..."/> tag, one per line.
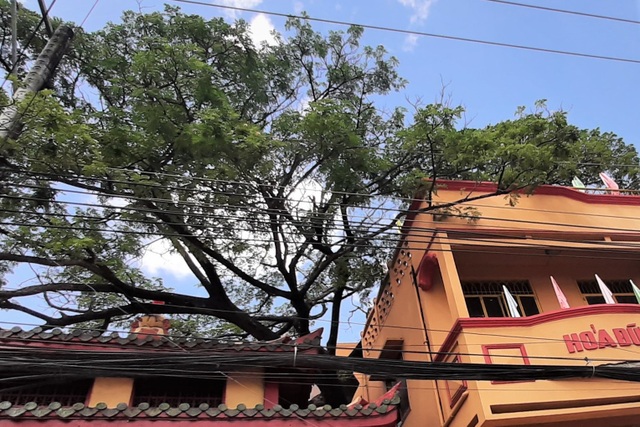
<point x="491" y="82"/>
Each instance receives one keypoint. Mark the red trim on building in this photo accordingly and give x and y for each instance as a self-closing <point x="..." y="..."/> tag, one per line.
<point x="315" y="335"/>
<point x="486" y="348"/>
<point x="550" y="190"/>
<point x="271" y="395"/>
<point x="388" y="395"/>
<point x="455" y="397"/>
<point x="505" y="322"/>
<point x="466" y="233"/>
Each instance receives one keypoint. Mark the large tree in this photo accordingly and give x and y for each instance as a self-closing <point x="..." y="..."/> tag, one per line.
<point x="269" y="169"/>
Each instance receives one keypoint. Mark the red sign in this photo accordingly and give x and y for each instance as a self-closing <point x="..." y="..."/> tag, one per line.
<point x="601" y="338"/>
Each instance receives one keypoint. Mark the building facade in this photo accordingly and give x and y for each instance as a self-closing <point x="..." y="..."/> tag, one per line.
<point x="52" y="378"/>
<point x="444" y="301"/>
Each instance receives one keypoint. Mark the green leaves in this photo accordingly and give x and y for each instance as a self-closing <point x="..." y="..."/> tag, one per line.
<point x="270" y="171"/>
<point x="535" y="148"/>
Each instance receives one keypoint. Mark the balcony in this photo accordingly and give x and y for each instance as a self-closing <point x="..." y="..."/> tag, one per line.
<point x="595" y="334"/>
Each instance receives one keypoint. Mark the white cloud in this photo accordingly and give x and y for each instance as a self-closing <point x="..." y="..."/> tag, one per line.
<point x="303" y="197"/>
<point x="420" y="9"/>
<point x="262" y="30"/>
<point x="410" y="42"/>
<point x="298" y="7"/>
<point x="303" y="105"/>
<point x="159" y="260"/>
<point x="245" y="4"/>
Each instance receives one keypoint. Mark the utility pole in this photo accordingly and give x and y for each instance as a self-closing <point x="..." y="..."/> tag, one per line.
<point x="45" y="17"/>
<point x="14" y="35"/>
<point x="42" y="70"/>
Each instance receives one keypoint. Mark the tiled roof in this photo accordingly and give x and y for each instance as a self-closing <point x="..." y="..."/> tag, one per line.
<point x="144" y="411"/>
<point x="56" y="337"/>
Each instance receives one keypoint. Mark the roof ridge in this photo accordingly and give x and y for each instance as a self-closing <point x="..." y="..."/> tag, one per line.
<point x="144" y="410"/>
<point x="141" y="339"/>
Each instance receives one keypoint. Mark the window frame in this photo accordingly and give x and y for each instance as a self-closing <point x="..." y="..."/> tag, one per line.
<point x="157" y="390"/>
<point x="615" y="286"/>
<point x="517" y="288"/>
<point x="67" y="392"/>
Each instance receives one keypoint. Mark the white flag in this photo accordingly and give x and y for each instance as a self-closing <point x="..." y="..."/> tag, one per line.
<point x="636" y="291"/>
<point x="511" y="302"/>
<point x="562" y="300"/>
<point x="606" y="293"/>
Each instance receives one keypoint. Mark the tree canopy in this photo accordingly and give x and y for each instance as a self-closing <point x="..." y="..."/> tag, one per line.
<point x="269" y="169"/>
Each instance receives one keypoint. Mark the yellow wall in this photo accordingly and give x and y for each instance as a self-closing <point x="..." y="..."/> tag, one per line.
<point x="246" y="387"/>
<point x="542" y="235"/>
<point x="111" y="391"/>
<point x="539" y="342"/>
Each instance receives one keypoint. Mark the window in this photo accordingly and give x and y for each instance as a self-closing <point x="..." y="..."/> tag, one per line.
<point x="621" y="290"/>
<point x="295" y="391"/>
<point x="65" y="392"/>
<point x="392" y="350"/>
<point x="454" y="388"/>
<point x="486" y="299"/>
<point x="174" y="391"/>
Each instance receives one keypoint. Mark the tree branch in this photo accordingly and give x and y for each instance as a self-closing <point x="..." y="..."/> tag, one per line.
<point x="189" y="261"/>
<point x="13" y="306"/>
<point x="187" y="236"/>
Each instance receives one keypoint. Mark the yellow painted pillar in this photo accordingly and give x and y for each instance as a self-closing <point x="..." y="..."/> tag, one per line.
<point x="246" y="387"/>
<point x="450" y="278"/>
<point x="111" y="391"/>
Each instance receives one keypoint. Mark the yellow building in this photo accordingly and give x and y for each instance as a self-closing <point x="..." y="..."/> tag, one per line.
<point x="444" y="301"/>
<point x="152" y="379"/>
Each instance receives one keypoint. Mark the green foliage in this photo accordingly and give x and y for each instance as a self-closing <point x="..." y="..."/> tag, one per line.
<point x="268" y="169"/>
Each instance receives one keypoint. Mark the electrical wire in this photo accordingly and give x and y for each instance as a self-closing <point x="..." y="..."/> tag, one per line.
<point x="55" y="177"/>
<point x="247" y="222"/>
<point x="89" y="13"/>
<point x="226" y="192"/>
<point x="413" y="32"/>
<point x="251" y="210"/>
<point x="582" y="253"/>
<point x="569" y="12"/>
<point x="192" y="338"/>
<point x="244" y="224"/>
<point x="162" y="364"/>
<point x="385" y="239"/>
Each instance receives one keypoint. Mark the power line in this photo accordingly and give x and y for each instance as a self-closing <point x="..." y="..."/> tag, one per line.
<point x="475" y="231"/>
<point x="570" y="12"/>
<point x="229" y="346"/>
<point x="501" y="335"/>
<point x="51" y="177"/>
<point x="413" y="32"/>
<point x="60" y="177"/>
<point x="576" y="252"/>
<point x="388" y="236"/>
<point x="538" y="339"/>
<point x="141" y="364"/>
<point x="89" y="13"/>
<point x="304" y="347"/>
<point x="251" y="209"/>
<point x="366" y="220"/>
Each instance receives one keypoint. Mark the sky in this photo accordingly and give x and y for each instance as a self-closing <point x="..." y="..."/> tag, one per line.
<point x="489" y="81"/>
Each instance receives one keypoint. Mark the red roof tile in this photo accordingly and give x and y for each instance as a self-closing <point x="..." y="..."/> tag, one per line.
<point x="57" y="338"/>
